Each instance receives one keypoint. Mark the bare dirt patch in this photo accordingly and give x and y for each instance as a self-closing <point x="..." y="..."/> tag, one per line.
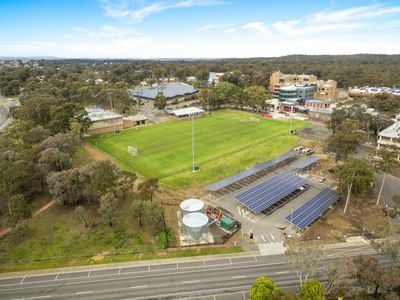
<point x="94" y="153"/>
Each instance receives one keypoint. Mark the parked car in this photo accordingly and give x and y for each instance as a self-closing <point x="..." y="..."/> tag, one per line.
<point x="321" y="179"/>
<point x="298" y="148"/>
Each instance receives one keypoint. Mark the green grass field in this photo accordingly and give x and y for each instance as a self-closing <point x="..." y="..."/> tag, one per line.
<point x="225" y="142"/>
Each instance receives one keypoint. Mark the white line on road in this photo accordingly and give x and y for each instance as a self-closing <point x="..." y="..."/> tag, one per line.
<point x="139" y="287"/>
<point x="83" y="293"/>
<point x="283" y="272"/>
<point x="240" y="276"/>
<point x="190" y="281"/>
<point x="263" y="238"/>
<point x="272" y="236"/>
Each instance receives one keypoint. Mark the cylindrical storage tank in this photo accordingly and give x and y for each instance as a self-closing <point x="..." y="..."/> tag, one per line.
<point x="194" y="225"/>
<point x="191" y="206"/>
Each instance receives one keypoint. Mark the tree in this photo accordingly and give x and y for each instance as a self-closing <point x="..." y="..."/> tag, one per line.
<point x="396" y="198"/>
<point x="264" y="289"/>
<point x="66" y="186"/>
<point x="125" y="184"/>
<point x="255" y="96"/>
<point x="18" y="209"/>
<point x="345" y="139"/>
<point x="99" y="176"/>
<point x="354" y="178"/>
<point x="153" y="216"/>
<point x="53" y="160"/>
<point x="147" y="188"/>
<point x="63" y="141"/>
<point x="312" y="289"/>
<point x="80" y="215"/>
<point x="160" y="101"/>
<point x="303" y="257"/>
<point x="337" y="276"/>
<point x="108" y="207"/>
<point x="369" y="272"/>
<point x="386" y="162"/>
<point x="138" y="208"/>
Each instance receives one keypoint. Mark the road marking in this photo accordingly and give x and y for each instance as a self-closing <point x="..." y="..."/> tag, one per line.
<point x="272" y="236"/>
<point x="230" y="267"/>
<point x="83" y="293"/>
<point x="263" y="238"/>
<point x="88" y="274"/>
<point x="57" y="276"/>
<point x="139" y="287"/>
<point x="190" y="281"/>
<point x="244" y="296"/>
<point x="22" y="281"/>
<point x="240" y="276"/>
<point x="283" y="272"/>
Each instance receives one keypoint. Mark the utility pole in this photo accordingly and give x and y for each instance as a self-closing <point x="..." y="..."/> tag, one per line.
<point x="381" y="189"/>
<point x="291" y="223"/>
<point x="349" y="188"/>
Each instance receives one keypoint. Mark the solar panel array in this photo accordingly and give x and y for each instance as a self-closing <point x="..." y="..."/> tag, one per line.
<point x="246" y="173"/>
<point x="304" y="163"/>
<point x="314" y="208"/>
<point x="169" y="90"/>
<point x="270" y="192"/>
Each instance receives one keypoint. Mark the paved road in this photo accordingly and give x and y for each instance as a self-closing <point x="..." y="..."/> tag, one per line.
<point x="225" y="277"/>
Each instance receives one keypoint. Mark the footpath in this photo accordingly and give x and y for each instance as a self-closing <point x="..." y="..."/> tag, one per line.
<point x="6" y="230"/>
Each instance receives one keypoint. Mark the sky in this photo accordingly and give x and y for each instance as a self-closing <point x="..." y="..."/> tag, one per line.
<point x="197" y="28"/>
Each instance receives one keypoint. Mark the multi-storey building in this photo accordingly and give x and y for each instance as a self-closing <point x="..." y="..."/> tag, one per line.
<point x="325" y="90"/>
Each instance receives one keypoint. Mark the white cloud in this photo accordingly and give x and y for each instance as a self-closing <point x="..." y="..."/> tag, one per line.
<point x="209" y="27"/>
<point x="330" y="20"/>
<point x="136" y="11"/>
<point x="258" y="26"/>
<point x="230" y="30"/>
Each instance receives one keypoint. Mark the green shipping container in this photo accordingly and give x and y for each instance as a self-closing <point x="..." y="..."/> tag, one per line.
<point x="227" y="223"/>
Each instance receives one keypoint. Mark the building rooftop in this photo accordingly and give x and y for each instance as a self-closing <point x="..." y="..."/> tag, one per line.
<point x="99" y="114"/>
<point x="136" y="118"/>
<point x="187" y="111"/>
<point x="170" y="90"/>
<point x="392" y="131"/>
<point x="314" y="101"/>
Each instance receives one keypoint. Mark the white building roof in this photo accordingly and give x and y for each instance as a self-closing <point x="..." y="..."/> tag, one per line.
<point x="136" y="118"/>
<point x="392" y="131"/>
<point x="187" y="111"/>
<point x="99" y="114"/>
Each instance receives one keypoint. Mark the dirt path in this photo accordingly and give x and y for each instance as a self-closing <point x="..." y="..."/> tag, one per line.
<point x="94" y="153"/>
<point x="36" y="213"/>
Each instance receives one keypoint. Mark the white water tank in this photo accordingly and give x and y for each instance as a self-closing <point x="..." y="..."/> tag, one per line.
<point x="191" y="206"/>
<point x="194" y="225"/>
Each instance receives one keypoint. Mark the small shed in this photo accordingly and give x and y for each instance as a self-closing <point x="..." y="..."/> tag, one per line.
<point x="133" y="121"/>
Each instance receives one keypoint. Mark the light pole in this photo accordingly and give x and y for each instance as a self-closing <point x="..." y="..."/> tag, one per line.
<point x="208" y="98"/>
<point x="193" y="169"/>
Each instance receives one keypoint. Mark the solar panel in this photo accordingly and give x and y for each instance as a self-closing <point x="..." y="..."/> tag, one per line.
<point x="246" y="173"/>
<point x="270" y="192"/>
<point x="304" y="163"/>
<point x="314" y="208"/>
<point x="169" y="90"/>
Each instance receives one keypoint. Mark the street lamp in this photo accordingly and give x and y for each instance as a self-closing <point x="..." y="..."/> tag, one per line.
<point x="194" y="167"/>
